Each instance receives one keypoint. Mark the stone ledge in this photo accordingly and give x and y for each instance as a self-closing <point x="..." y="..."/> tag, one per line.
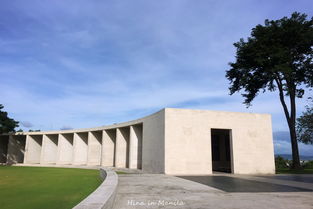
<point x="103" y="196"/>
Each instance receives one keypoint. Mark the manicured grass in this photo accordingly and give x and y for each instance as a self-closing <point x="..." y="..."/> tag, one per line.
<point x="289" y="171"/>
<point x="45" y="188"/>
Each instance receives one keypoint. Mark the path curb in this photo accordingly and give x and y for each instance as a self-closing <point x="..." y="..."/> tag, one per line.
<point x="103" y="197"/>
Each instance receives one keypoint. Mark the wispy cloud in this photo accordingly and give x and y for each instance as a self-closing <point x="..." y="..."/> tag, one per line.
<point x="26" y="124"/>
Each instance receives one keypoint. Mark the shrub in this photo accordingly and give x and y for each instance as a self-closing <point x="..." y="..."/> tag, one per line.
<point x="281" y="163"/>
<point x="308" y="164"/>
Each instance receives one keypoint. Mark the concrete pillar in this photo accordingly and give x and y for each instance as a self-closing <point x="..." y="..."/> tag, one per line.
<point x="65" y="149"/>
<point x="49" y="149"/>
<point x="94" y="147"/>
<point x="4" y="140"/>
<point x="108" y="147"/>
<point x="135" y="144"/>
<point x="121" y="152"/>
<point x="33" y="149"/>
<point x="80" y="148"/>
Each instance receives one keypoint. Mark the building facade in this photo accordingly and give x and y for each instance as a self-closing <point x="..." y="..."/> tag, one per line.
<point x="171" y="141"/>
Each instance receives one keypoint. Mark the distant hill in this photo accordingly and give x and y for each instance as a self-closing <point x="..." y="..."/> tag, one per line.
<point x="289" y="156"/>
<point x="282" y="145"/>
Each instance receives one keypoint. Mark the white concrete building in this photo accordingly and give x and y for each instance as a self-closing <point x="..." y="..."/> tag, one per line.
<point x="171" y="141"/>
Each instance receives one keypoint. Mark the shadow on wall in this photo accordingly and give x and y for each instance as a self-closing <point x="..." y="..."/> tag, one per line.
<point x="138" y="132"/>
<point x="15" y="149"/>
<point x="111" y="141"/>
<point x="125" y="133"/>
<point x="3" y="148"/>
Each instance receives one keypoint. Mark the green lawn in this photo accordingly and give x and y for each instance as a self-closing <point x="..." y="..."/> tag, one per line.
<point x="45" y="188"/>
<point x="289" y="171"/>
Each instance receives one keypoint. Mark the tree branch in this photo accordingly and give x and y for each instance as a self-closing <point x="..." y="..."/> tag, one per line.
<point x="282" y="99"/>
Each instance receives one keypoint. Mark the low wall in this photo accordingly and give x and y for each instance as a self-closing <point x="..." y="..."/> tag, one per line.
<point x="103" y="196"/>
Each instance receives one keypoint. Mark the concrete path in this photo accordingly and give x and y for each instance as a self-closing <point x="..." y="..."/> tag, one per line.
<point x="162" y="191"/>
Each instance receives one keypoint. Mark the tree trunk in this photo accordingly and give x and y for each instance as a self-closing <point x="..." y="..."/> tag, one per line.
<point x="294" y="148"/>
<point x="292" y="130"/>
<point x="291" y="120"/>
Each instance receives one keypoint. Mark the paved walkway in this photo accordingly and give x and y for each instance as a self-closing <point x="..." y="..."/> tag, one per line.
<point x="162" y="191"/>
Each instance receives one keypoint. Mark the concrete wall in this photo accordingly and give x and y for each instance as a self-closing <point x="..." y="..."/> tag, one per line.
<point x="188" y="141"/>
<point x="108" y="147"/>
<point x="49" y="149"/>
<point x="80" y="154"/>
<point x="94" y="147"/>
<point x="138" y="131"/>
<point x="65" y="149"/>
<point x="122" y="148"/>
<point x="16" y="149"/>
<point x="135" y="147"/>
<point x="171" y="141"/>
<point x="33" y="149"/>
<point x="153" y="156"/>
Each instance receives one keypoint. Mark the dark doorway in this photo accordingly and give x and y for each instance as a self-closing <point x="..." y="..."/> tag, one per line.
<point x="221" y="155"/>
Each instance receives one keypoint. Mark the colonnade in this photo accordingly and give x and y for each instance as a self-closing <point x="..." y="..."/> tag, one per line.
<point x="116" y="147"/>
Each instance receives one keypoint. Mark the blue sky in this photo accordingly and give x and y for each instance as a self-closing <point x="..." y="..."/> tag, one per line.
<point x="75" y="64"/>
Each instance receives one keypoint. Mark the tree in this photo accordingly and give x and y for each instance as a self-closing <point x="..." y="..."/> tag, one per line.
<point x="277" y="56"/>
<point x="305" y="126"/>
<point x="6" y="124"/>
<point x="31" y="130"/>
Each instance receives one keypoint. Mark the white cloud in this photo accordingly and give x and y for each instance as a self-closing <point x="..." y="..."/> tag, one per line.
<point x="26" y="124"/>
